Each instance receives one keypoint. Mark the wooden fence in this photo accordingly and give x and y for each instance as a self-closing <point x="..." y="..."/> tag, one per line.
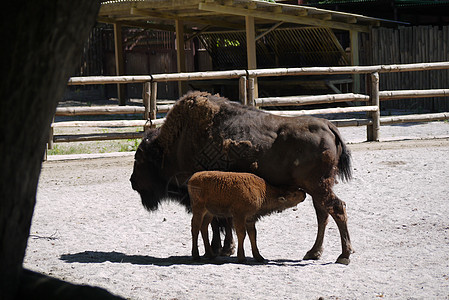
<point x="404" y="45"/>
<point x="247" y="79"/>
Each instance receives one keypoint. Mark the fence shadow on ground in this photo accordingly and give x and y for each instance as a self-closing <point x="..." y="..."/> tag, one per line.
<point x="118" y="257"/>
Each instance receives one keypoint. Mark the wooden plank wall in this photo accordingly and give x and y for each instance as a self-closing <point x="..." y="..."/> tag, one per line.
<point x="410" y="45"/>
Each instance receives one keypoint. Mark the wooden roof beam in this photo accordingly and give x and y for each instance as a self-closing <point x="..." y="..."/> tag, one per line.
<point x="162" y="15"/>
<point x="153" y="13"/>
<point x="158" y="14"/>
<point x="196" y="14"/>
<point x="301" y="12"/>
<point x="143" y="25"/>
<point x="284" y="17"/>
<point x="326" y="17"/>
<point x="351" y="20"/>
<point x="107" y="9"/>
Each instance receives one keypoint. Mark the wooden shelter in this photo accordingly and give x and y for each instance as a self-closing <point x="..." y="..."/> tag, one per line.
<point x="256" y="18"/>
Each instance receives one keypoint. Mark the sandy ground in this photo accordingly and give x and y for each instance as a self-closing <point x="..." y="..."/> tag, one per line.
<point x="89" y="227"/>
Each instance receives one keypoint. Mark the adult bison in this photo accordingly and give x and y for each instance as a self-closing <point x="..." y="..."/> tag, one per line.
<point x="208" y="132"/>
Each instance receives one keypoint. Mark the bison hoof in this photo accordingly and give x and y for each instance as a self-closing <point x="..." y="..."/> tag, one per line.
<point x="227" y="251"/>
<point x="241" y="260"/>
<point x="260" y="259"/>
<point x="210" y="255"/>
<point x="313" y="255"/>
<point x="343" y="260"/>
<point x="196" y="258"/>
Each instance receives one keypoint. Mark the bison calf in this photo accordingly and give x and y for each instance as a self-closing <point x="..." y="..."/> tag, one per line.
<point x="243" y="196"/>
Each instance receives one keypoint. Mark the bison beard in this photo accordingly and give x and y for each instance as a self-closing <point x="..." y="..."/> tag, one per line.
<point x="209" y="132"/>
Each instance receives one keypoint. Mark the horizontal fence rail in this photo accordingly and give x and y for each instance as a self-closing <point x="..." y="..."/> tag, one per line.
<point x="247" y="78"/>
<point x="100" y="110"/>
<point x="209" y="75"/>
<point x="305" y="100"/>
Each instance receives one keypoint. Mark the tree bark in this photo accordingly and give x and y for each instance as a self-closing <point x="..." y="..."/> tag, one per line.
<point x="41" y="45"/>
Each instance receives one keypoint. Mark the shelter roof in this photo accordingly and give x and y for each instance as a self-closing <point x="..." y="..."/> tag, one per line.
<point x="228" y="14"/>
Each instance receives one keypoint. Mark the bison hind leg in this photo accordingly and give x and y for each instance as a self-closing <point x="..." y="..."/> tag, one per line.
<point x="327" y="203"/>
<point x="322" y="219"/>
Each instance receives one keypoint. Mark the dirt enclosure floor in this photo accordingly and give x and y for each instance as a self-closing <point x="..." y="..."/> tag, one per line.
<point x="90" y="228"/>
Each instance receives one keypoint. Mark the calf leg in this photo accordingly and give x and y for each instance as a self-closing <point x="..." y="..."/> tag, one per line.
<point x="208" y="251"/>
<point x="240" y="229"/>
<point x="197" y="221"/>
<point x="251" y="229"/>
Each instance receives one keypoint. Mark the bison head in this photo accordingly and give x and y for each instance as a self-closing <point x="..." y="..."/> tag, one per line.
<point x="145" y="178"/>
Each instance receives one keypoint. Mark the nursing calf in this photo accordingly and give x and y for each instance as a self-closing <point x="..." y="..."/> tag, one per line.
<point x="243" y="196"/>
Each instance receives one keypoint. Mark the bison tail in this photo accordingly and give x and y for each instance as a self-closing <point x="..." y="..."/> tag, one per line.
<point x="344" y="164"/>
<point x="344" y="161"/>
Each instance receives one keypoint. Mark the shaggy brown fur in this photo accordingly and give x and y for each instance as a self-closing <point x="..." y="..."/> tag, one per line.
<point x="243" y="196"/>
<point x="200" y="112"/>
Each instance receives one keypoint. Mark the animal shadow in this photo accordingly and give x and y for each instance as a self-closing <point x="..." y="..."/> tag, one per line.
<point x="118" y="257"/>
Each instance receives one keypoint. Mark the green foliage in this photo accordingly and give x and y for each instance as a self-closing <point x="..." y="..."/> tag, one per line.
<point x="61" y="150"/>
<point x="131" y="145"/>
<point x="227" y="43"/>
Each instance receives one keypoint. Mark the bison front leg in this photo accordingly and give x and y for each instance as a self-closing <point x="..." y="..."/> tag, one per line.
<point x="208" y="251"/>
<point x="228" y="244"/>
<point x="216" y="240"/>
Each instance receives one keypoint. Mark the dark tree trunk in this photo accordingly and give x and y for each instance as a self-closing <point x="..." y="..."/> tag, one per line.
<point x="41" y="45"/>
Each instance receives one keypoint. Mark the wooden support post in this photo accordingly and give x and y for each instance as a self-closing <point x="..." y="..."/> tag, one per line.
<point x="243" y="92"/>
<point x="153" y="103"/>
<point x="373" y="130"/>
<point x="180" y="55"/>
<point x="354" y="36"/>
<point x="251" y="92"/>
<point x="149" y="101"/>
<point x="146" y="95"/>
<point x="50" y="142"/>
<point x="251" y="49"/>
<point x="119" y="62"/>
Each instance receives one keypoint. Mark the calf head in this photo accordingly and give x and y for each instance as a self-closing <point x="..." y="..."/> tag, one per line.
<point x="292" y="198"/>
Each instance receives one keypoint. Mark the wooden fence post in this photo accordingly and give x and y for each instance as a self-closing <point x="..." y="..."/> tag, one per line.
<point x="146" y="95"/>
<point x="243" y="92"/>
<point x="373" y="130"/>
<point x="50" y="142"/>
<point x="119" y="62"/>
<point x="153" y="102"/>
<point x="251" y="91"/>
